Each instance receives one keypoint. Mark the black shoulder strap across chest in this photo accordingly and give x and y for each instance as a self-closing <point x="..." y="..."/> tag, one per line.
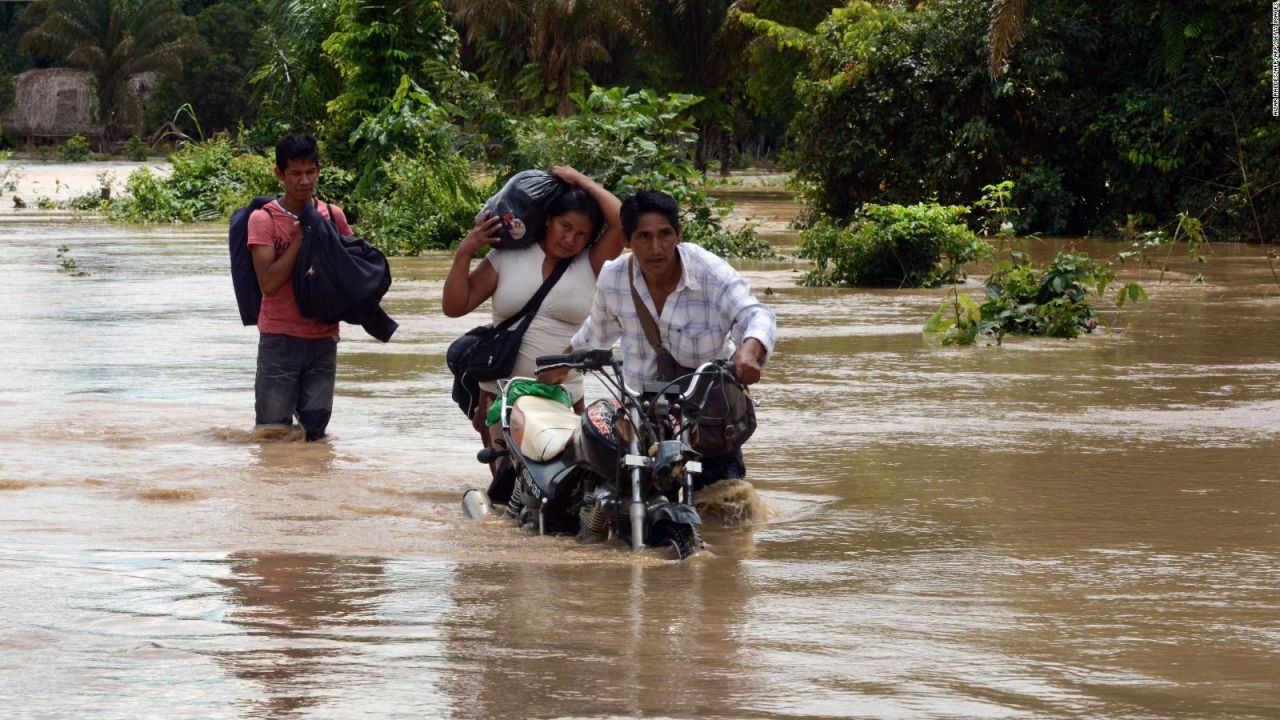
<point x="535" y="302"/>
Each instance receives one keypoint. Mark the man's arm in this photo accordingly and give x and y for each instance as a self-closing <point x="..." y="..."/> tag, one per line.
<point x="273" y="272"/>
<point x="602" y="328"/>
<point x="754" y="328"/>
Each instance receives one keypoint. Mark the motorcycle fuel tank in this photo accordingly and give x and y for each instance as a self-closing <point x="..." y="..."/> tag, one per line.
<point x="600" y="443"/>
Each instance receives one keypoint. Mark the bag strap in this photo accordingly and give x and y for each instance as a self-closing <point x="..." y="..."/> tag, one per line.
<point x="531" y="307"/>
<point x="646" y="318"/>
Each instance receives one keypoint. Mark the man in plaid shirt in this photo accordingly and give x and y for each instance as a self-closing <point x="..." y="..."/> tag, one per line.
<point x="697" y="300"/>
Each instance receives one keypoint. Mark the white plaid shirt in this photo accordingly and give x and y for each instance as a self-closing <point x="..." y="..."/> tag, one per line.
<point x="711" y="301"/>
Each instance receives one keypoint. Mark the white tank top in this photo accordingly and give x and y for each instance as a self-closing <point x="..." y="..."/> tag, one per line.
<point x="562" y="311"/>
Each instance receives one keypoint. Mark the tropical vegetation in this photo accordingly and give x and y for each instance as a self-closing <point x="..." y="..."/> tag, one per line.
<point x="1113" y="118"/>
<point x="115" y="41"/>
<point x="1097" y="111"/>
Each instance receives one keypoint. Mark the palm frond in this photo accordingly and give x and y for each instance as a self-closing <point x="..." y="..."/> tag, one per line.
<point x="115" y="40"/>
<point x="1007" y="28"/>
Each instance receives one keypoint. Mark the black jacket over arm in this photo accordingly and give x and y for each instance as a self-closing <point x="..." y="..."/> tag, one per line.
<point x="341" y="278"/>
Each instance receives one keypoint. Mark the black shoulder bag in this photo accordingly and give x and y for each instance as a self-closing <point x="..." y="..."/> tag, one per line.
<point x="488" y="352"/>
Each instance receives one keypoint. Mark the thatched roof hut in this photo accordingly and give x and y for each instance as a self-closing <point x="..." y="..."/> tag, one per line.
<point x="56" y="103"/>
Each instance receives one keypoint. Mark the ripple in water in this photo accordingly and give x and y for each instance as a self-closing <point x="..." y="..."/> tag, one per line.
<point x="170" y="495"/>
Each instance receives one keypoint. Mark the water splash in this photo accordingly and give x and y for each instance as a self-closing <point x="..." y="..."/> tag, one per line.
<point x="732" y="501"/>
<point x="261" y="433"/>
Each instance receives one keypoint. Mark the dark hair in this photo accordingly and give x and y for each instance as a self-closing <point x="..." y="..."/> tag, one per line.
<point x="296" y="146"/>
<point x="575" y="199"/>
<point x="648" y="201"/>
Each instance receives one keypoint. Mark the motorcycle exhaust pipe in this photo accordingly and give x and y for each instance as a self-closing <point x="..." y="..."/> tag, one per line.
<point x="476" y="504"/>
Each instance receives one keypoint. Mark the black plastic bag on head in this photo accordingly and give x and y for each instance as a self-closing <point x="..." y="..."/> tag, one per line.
<point x="522" y="204"/>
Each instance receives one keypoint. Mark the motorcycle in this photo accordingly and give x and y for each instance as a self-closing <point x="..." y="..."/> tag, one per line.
<point x="626" y="468"/>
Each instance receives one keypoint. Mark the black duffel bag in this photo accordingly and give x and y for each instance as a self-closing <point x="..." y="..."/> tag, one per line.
<point x="522" y="206"/>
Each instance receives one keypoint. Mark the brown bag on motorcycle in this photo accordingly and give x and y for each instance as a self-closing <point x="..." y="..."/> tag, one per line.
<point x="727" y="419"/>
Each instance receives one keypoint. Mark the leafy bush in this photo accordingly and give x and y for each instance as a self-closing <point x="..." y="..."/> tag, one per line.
<point x="136" y="150"/>
<point x="75" y="149"/>
<point x="90" y="201"/>
<point x="247" y="176"/>
<point x="10" y="174"/>
<point x="336" y="185"/>
<point x="412" y="118"/>
<point x="1027" y="299"/>
<point x="208" y="181"/>
<point x="629" y="141"/>
<point x="1051" y="301"/>
<point x="427" y="202"/>
<point x="744" y="242"/>
<point x="922" y="245"/>
<point x="624" y="140"/>
<point x="148" y="199"/>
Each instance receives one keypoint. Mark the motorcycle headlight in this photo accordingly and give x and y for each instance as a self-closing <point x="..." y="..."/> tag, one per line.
<point x="668" y="463"/>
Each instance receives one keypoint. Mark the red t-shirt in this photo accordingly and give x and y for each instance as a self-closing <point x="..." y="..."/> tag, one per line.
<point x="273" y="225"/>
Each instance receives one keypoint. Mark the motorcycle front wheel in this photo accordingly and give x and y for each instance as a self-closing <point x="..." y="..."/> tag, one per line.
<point x="684" y="538"/>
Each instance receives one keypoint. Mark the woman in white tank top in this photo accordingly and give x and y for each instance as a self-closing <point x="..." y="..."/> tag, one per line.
<point x="511" y="277"/>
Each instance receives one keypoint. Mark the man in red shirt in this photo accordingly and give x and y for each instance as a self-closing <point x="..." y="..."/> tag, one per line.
<point x="297" y="356"/>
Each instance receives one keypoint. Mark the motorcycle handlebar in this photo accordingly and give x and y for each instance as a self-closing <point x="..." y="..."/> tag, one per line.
<point x="578" y="360"/>
<point x="728" y="368"/>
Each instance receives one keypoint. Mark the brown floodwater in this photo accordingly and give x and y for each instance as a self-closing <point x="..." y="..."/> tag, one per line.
<point x="1048" y="528"/>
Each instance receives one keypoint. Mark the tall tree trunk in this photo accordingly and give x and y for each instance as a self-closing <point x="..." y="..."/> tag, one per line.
<point x="726" y="147"/>
<point x="699" y="152"/>
<point x="564" y="107"/>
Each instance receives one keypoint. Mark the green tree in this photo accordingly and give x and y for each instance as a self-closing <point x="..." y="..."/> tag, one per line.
<point x="294" y="80"/>
<point x="116" y="40"/>
<point x="1100" y="112"/>
<point x="700" y="46"/>
<point x="770" y="82"/>
<point x="217" y="85"/>
<point x="373" y="46"/>
<point x="558" y="41"/>
<point x="13" y="22"/>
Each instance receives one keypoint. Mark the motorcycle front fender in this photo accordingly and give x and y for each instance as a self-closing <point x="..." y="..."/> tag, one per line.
<point x="673" y="512"/>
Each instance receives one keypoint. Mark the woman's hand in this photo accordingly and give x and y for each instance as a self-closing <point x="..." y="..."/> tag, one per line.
<point x="553" y="377"/>
<point x="556" y="376"/>
<point x="485" y="232"/>
<point x="569" y="175"/>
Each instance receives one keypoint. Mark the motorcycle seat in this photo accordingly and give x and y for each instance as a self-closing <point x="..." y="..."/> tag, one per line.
<point x="548" y="427"/>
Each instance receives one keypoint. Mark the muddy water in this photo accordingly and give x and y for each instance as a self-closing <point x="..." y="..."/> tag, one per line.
<point x="1048" y="528"/>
